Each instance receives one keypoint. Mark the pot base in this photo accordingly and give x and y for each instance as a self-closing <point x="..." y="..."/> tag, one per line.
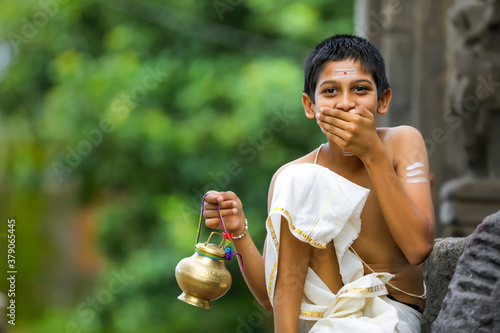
<point x="195" y="301"/>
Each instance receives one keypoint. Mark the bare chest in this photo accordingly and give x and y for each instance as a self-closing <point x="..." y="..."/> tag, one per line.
<point x="375" y="243"/>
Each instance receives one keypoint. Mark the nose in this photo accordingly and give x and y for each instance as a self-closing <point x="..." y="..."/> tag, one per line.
<point x="345" y="102"/>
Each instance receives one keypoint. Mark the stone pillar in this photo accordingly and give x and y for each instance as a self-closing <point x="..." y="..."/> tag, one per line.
<point x="473" y="113"/>
<point x="367" y="22"/>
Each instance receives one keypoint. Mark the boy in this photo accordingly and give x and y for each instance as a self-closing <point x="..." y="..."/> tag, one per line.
<point x="323" y="270"/>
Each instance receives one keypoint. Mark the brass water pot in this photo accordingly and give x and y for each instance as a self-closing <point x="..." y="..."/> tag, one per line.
<point x="203" y="277"/>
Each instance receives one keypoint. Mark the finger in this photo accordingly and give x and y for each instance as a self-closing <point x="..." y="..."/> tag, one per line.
<point x="337" y="138"/>
<point x="338" y="114"/>
<point x="333" y="130"/>
<point x="323" y="118"/>
<point x="214" y="197"/>
<point x="213" y="223"/>
<point x="362" y="111"/>
<point x="229" y="195"/>
<point x="221" y="205"/>
<point x="339" y="141"/>
<point x="223" y="212"/>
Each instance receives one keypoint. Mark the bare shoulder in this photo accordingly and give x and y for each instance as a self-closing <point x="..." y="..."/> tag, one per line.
<point x="309" y="158"/>
<point x="394" y="135"/>
<point x="402" y="141"/>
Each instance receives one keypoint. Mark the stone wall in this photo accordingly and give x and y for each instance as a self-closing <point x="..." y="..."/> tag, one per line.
<point x="472" y="301"/>
<point x="462" y="276"/>
<point x="438" y="272"/>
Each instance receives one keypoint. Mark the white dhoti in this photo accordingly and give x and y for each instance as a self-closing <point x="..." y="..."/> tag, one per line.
<point x="321" y="206"/>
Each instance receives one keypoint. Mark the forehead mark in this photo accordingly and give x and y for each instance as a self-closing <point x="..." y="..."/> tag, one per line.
<point x="344" y="72"/>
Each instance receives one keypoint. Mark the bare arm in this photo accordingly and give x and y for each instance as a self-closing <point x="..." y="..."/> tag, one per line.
<point x="253" y="271"/>
<point x="234" y="219"/>
<point x="406" y="202"/>
<point x="294" y="256"/>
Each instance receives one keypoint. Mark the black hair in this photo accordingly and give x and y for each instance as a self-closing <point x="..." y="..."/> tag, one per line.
<point x="341" y="47"/>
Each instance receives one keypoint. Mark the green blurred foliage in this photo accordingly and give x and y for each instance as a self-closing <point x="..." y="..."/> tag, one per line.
<point x="142" y="106"/>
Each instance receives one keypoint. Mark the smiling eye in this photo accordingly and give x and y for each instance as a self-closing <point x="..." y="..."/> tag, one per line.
<point x="330" y="90"/>
<point x="360" y="89"/>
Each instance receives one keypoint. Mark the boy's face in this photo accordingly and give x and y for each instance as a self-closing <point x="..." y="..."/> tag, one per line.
<point x="343" y="85"/>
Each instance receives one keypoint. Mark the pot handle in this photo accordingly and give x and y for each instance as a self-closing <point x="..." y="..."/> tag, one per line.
<point x="201" y="219"/>
<point x="218" y="233"/>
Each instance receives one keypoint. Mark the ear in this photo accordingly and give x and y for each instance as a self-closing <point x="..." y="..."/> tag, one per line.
<point x="308" y="106"/>
<point x="383" y="103"/>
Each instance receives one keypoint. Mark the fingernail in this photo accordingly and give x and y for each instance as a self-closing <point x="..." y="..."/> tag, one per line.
<point x="235" y="204"/>
<point x="235" y="211"/>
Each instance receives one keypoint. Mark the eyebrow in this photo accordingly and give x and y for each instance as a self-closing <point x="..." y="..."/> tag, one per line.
<point x="355" y="82"/>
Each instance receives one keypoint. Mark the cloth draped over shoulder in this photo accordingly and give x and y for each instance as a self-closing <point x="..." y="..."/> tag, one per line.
<point x="321" y="206"/>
